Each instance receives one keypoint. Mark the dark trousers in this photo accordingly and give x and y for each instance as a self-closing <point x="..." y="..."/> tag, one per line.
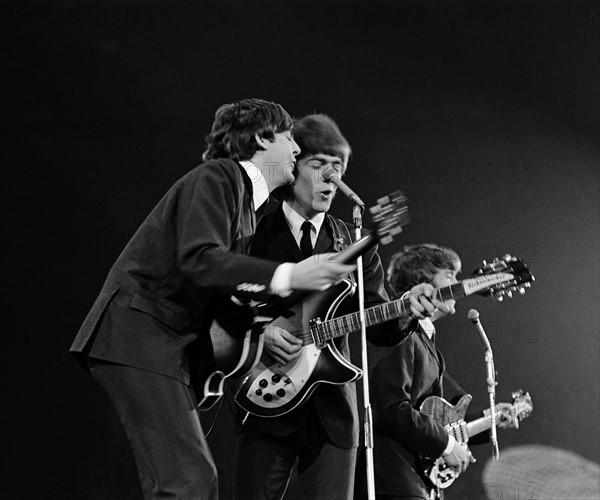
<point x="264" y="464"/>
<point x="161" y="421"/>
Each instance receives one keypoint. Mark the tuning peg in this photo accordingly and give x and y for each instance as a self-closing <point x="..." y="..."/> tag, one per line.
<point x="522" y="291"/>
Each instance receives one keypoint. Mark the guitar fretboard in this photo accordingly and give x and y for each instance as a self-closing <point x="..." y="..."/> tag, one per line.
<point x="337" y="327"/>
<point x="479" y="425"/>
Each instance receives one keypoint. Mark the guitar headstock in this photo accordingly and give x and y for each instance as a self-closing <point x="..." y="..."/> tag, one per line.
<point x="389" y="215"/>
<point x="512" y="273"/>
<point x="522" y="404"/>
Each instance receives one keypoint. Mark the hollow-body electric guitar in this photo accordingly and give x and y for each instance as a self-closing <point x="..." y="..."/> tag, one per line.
<point x="272" y="389"/>
<point x="453" y="419"/>
<point x="236" y="353"/>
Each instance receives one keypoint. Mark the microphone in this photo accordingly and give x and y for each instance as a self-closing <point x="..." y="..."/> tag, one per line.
<point x="330" y="175"/>
<point x="473" y="315"/>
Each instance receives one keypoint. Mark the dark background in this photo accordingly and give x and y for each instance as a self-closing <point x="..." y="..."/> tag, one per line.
<point x="485" y="113"/>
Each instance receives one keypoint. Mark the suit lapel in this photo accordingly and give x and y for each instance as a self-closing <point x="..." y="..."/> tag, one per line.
<point x="282" y="236"/>
<point x="324" y="241"/>
<point x="249" y="192"/>
<point x="431" y="348"/>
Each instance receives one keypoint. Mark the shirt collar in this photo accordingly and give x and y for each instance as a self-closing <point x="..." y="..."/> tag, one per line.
<point x="295" y="220"/>
<point x="260" y="189"/>
<point x="427" y="326"/>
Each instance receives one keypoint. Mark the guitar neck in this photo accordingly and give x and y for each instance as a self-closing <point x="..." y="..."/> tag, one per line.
<point x="480" y="425"/>
<point x="343" y="325"/>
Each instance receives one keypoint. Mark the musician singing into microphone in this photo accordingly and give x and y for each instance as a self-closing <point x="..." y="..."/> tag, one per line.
<point x="402" y="377"/>
<point x="147" y="338"/>
<point x="320" y="436"/>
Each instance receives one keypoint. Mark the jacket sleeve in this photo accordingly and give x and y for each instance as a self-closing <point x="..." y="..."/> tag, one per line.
<point x="214" y="228"/>
<point x="398" y="380"/>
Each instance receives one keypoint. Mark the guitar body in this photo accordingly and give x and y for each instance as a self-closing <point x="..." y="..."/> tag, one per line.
<point x="272" y="389"/>
<point x="443" y="412"/>
<point x="233" y="358"/>
<point x="453" y="419"/>
<point x="435" y="470"/>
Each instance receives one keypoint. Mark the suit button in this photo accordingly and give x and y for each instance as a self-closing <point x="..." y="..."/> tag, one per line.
<point x="268" y="397"/>
<point x="280" y="392"/>
<point x="276" y="378"/>
<point x="263" y="383"/>
<point x="258" y="392"/>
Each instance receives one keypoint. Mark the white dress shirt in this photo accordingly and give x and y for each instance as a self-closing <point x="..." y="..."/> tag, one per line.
<point x="295" y="221"/>
<point x="260" y="189"/>
<point x="281" y="282"/>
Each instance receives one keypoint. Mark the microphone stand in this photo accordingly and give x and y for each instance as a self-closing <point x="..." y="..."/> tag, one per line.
<point x="491" y="389"/>
<point x="368" y="415"/>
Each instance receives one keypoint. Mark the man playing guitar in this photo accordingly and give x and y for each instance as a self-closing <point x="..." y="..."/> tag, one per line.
<point x="402" y="377"/>
<point x="321" y="435"/>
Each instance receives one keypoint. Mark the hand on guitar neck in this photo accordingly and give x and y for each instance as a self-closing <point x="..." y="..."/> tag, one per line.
<point x="424" y="304"/>
<point x="507" y="417"/>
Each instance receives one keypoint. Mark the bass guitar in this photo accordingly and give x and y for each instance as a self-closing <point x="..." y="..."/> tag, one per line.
<point x="236" y="353"/>
<point x="453" y="419"/>
<point x="272" y="389"/>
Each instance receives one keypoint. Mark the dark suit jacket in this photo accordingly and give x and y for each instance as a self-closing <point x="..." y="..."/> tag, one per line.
<point x="176" y="274"/>
<point x="401" y="378"/>
<point x="335" y="405"/>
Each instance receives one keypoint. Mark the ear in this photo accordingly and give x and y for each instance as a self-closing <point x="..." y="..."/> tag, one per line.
<point x="262" y="142"/>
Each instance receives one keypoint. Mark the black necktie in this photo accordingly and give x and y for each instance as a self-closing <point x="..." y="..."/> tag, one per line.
<point x="305" y="241"/>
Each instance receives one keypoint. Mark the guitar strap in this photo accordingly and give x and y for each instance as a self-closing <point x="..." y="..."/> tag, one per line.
<point x="340" y="234"/>
<point x="454" y="383"/>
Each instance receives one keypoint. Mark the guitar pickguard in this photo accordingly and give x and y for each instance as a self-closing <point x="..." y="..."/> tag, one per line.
<point x="278" y="384"/>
